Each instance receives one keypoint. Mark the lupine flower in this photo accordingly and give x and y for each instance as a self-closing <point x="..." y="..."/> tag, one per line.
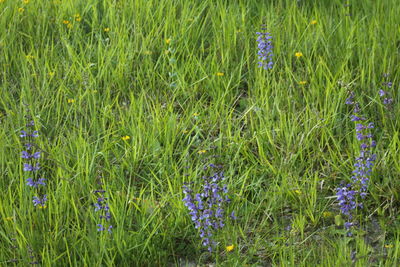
<point x="32" y="166"/>
<point x="265" y="49"/>
<point x="382" y="93"/>
<point x="207" y="208"/>
<point x="350" y="194"/>
<point x="101" y="206"/>
<point x="37" y="201"/>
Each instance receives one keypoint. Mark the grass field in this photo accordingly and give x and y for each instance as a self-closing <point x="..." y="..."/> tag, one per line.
<point x="133" y="98"/>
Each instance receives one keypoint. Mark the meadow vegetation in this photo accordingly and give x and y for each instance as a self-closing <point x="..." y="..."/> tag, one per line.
<point x="134" y="100"/>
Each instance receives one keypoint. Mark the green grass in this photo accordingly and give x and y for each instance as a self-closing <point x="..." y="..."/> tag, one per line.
<point x="285" y="147"/>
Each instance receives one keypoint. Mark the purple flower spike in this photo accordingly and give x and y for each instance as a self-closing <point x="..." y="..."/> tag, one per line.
<point x="265" y="49"/>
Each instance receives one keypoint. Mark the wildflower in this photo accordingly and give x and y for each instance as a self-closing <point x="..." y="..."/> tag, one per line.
<point x="25" y="1"/>
<point x="40" y="202"/>
<point x="168" y="41"/>
<point x="106" y="29"/>
<point x="66" y="22"/>
<point x="29" y="57"/>
<point x="388" y="245"/>
<point x="206" y="209"/>
<point x="195" y="114"/>
<point x="77" y="17"/>
<point x="102" y="207"/>
<point x="70" y="100"/>
<point x="303" y="82"/>
<point x="202" y="151"/>
<point x="21" y="10"/>
<point x="70" y="26"/>
<point x="220" y="74"/>
<point x="265" y="49"/>
<point x="298" y="192"/>
<point x="2" y="1"/>
<point x="126" y="138"/>
<point x="350" y="194"/>
<point x="313" y="22"/>
<point x="229" y="248"/>
<point x="298" y="54"/>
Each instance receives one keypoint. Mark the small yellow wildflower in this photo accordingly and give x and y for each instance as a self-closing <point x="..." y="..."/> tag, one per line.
<point x="106" y="29"/>
<point x="297" y="191"/>
<point x="230" y="248"/>
<point x="29" y="57"/>
<point x="327" y="214"/>
<point x="21" y="10"/>
<point x="2" y="1"/>
<point x="70" y="100"/>
<point x="70" y="26"/>
<point x="42" y="207"/>
<point x="202" y="151"/>
<point x="126" y="137"/>
<point x="313" y="22"/>
<point x="77" y="17"/>
<point x="26" y="1"/>
<point x="66" y="21"/>
<point x="195" y="114"/>
<point x="220" y="74"/>
<point x="168" y="41"/>
<point x="8" y="218"/>
<point x="303" y="82"/>
<point x="298" y="54"/>
<point x="388" y="245"/>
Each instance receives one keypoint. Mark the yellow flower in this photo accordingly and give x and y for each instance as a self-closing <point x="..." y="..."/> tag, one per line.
<point x="78" y="19"/>
<point x="303" y="82"/>
<point x="106" y="29"/>
<point x="21" y="9"/>
<point x="313" y="22"/>
<point x="298" y="54"/>
<point x="327" y="214"/>
<point x="66" y="21"/>
<point x="29" y="57"/>
<point x="126" y="137"/>
<point x="168" y="41"/>
<point x="297" y="191"/>
<point x="196" y="114"/>
<point x="2" y="1"/>
<point x="26" y="1"/>
<point x="220" y="74"/>
<point x="230" y="248"/>
<point x="70" y="26"/>
<point x="42" y="207"/>
<point x="70" y="100"/>
<point x="388" y="245"/>
<point x="202" y="151"/>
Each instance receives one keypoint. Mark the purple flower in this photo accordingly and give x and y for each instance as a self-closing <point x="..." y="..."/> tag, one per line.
<point x="37" y="201"/>
<point x="28" y="167"/>
<point x="35" y="184"/>
<point x="207" y="208"/>
<point x="265" y="49"/>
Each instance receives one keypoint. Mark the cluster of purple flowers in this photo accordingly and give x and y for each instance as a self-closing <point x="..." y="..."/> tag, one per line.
<point x="31" y="155"/>
<point x="102" y="207"/>
<point x="207" y="208"/>
<point x="351" y="194"/>
<point x="265" y="49"/>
